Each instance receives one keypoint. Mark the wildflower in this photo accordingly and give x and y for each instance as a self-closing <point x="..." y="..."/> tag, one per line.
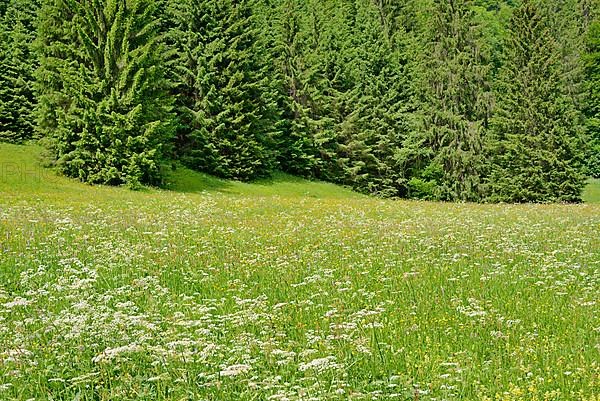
<point x="112" y="353"/>
<point x="235" y="370"/>
<point x="320" y="364"/>
<point x="18" y="301"/>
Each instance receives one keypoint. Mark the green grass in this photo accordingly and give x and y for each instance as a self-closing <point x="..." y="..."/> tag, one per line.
<point x="283" y="185"/>
<point x="289" y="290"/>
<point x="592" y="191"/>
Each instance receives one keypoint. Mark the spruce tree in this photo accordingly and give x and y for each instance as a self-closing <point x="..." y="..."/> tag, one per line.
<point x="103" y="104"/>
<point x="344" y="73"/>
<point x="298" y="151"/>
<point x="17" y="63"/>
<point x="324" y="81"/>
<point x="377" y="106"/>
<point x="444" y="158"/>
<point x="592" y="103"/>
<point x="228" y="103"/>
<point x="537" y="140"/>
<point x="317" y="83"/>
<point x="307" y="48"/>
<point x="569" y="22"/>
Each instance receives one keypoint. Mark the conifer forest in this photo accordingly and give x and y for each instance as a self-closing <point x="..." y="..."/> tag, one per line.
<point x="299" y="200"/>
<point x="455" y="100"/>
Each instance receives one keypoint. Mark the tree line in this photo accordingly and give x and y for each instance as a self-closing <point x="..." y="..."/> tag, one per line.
<point x="458" y="100"/>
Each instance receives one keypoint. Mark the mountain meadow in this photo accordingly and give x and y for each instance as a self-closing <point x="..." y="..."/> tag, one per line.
<point x="299" y="200"/>
<point x="286" y="289"/>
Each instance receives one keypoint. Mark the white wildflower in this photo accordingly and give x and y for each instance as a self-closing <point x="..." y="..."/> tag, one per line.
<point x="320" y="364"/>
<point x="235" y="370"/>
<point x="111" y="353"/>
<point x="18" y="301"/>
<point x="15" y="355"/>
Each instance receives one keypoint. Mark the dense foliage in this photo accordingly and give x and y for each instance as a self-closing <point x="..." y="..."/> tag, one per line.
<point x="537" y="145"/>
<point x="592" y="105"/>
<point x="17" y="65"/>
<point x="460" y="100"/>
<point x="226" y="98"/>
<point x="445" y="154"/>
<point x="102" y="89"/>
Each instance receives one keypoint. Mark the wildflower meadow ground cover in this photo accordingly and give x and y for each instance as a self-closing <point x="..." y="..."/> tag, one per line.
<point x="289" y="290"/>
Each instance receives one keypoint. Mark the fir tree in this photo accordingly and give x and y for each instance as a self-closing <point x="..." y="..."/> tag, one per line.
<point x="592" y="104"/>
<point x="345" y="78"/>
<point x="537" y="147"/>
<point x="444" y="158"/>
<point x="17" y="63"/>
<point x="102" y="88"/>
<point x="312" y="67"/>
<point x="377" y="106"/>
<point x="228" y="103"/>
<point x="298" y="151"/>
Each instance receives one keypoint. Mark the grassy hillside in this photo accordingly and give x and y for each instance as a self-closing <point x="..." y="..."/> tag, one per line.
<point x="592" y="192"/>
<point x="289" y="290"/>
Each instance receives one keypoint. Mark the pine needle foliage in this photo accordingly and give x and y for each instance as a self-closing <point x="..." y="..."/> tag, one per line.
<point x="538" y="143"/>
<point x="291" y="51"/>
<point x="102" y="87"/>
<point x="592" y="104"/>
<point x="377" y="106"/>
<point x="444" y="156"/>
<point x="454" y="100"/>
<point x="17" y="65"/>
<point x="228" y="102"/>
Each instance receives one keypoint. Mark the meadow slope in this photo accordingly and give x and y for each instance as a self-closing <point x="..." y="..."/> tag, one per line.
<point x="289" y="290"/>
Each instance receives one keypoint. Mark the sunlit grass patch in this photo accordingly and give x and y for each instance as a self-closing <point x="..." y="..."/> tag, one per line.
<point x="591" y="194"/>
<point x="290" y="290"/>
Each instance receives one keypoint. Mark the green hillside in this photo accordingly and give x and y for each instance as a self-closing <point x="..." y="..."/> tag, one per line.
<point x="289" y="290"/>
<point x="591" y="194"/>
<point x="23" y="174"/>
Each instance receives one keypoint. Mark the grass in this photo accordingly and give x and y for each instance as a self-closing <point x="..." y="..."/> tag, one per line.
<point x="592" y="191"/>
<point x="187" y="181"/>
<point x="289" y="290"/>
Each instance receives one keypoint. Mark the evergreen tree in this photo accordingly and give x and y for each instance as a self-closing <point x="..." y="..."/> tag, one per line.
<point x="317" y="83"/>
<point x="570" y="22"/>
<point x="102" y="102"/>
<point x="17" y="63"/>
<point x="537" y="147"/>
<point x="228" y="102"/>
<point x="390" y="98"/>
<point x="345" y="89"/>
<point x="377" y="106"/>
<point x="444" y="158"/>
<point x="298" y="151"/>
<point x="592" y="104"/>
<point x="323" y="81"/>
